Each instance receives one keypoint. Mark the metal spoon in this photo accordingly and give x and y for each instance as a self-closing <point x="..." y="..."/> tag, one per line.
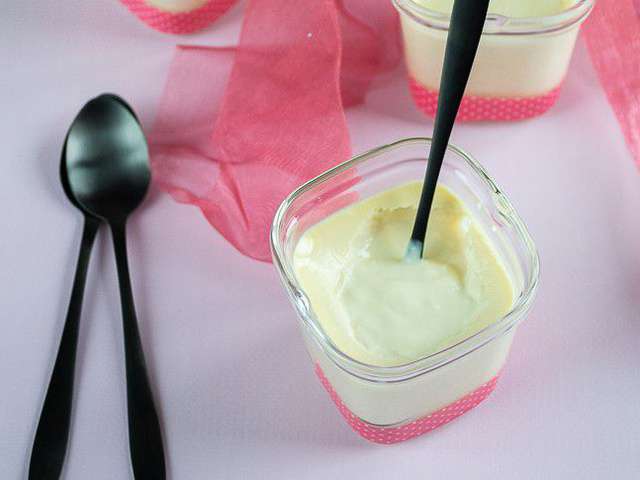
<point x="465" y="30"/>
<point x="52" y="434"/>
<point x="108" y="167"/>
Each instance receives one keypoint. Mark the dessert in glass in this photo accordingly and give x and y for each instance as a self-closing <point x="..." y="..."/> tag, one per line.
<point x="521" y="62"/>
<point x="176" y="6"/>
<point x="404" y="348"/>
<point x="178" y="16"/>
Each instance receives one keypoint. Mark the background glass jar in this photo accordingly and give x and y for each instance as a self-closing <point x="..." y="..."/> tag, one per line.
<point x="390" y="404"/>
<point x="519" y="68"/>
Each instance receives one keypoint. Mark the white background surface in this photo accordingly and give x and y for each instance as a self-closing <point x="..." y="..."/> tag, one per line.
<point x="237" y="393"/>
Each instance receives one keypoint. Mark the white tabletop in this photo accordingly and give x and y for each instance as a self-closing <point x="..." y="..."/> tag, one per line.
<point x="237" y="394"/>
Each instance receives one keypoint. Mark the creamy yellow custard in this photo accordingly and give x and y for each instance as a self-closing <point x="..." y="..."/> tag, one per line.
<point x="383" y="311"/>
<point x="508" y="8"/>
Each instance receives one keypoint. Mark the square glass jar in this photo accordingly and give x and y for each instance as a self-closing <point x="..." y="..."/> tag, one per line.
<point x="391" y="404"/>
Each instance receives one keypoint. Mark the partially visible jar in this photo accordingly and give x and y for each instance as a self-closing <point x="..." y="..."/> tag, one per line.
<point x="178" y="16"/>
<point x="519" y="68"/>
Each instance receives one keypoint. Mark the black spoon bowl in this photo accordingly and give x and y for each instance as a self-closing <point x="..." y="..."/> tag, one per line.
<point x="107" y="162"/>
<point x="465" y="30"/>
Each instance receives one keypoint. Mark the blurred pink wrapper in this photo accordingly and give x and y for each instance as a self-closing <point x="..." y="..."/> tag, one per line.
<point x="178" y="16"/>
<point x="239" y="128"/>
<point x="613" y="39"/>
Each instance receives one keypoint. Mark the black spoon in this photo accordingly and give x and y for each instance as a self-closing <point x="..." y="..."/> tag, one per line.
<point x="108" y="168"/>
<point x="52" y="434"/>
<point x="465" y="29"/>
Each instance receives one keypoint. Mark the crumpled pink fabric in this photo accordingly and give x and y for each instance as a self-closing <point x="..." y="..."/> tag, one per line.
<point x="613" y="40"/>
<point x="239" y="128"/>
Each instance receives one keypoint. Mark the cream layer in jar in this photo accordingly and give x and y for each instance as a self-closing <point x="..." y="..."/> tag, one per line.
<point x="176" y="6"/>
<point x="523" y="56"/>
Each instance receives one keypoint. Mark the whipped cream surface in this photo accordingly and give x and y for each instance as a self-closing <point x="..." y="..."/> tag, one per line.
<point x="380" y="309"/>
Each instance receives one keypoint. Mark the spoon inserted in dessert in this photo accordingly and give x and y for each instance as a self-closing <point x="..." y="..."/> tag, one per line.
<point x="465" y="29"/>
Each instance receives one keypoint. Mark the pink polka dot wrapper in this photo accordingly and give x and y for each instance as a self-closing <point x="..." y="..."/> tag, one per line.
<point x="179" y="22"/>
<point x="412" y="429"/>
<point x="477" y="108"/>
<point x="519" y="67"/>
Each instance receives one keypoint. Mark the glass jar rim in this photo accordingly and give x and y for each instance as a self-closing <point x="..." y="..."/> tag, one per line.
<point x="497" y="24"/>
<point x="406" y="371"/>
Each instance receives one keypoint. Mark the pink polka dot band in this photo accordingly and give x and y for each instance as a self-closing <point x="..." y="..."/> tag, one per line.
<point x="475" y="108"/>
<point x="182" y="22"/>
<point x="389" y="435"/>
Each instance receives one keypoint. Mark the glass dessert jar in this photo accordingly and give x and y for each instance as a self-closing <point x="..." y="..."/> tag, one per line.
<point x="519" y="68"/>
<point x="395" y="403"/>
<point x="178" y="16"/>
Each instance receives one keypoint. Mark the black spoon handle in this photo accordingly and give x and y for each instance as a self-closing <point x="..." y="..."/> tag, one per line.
<point x="467" y="20"/>
<point x="52" y="434"/>
<point x="145" y="437"/>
